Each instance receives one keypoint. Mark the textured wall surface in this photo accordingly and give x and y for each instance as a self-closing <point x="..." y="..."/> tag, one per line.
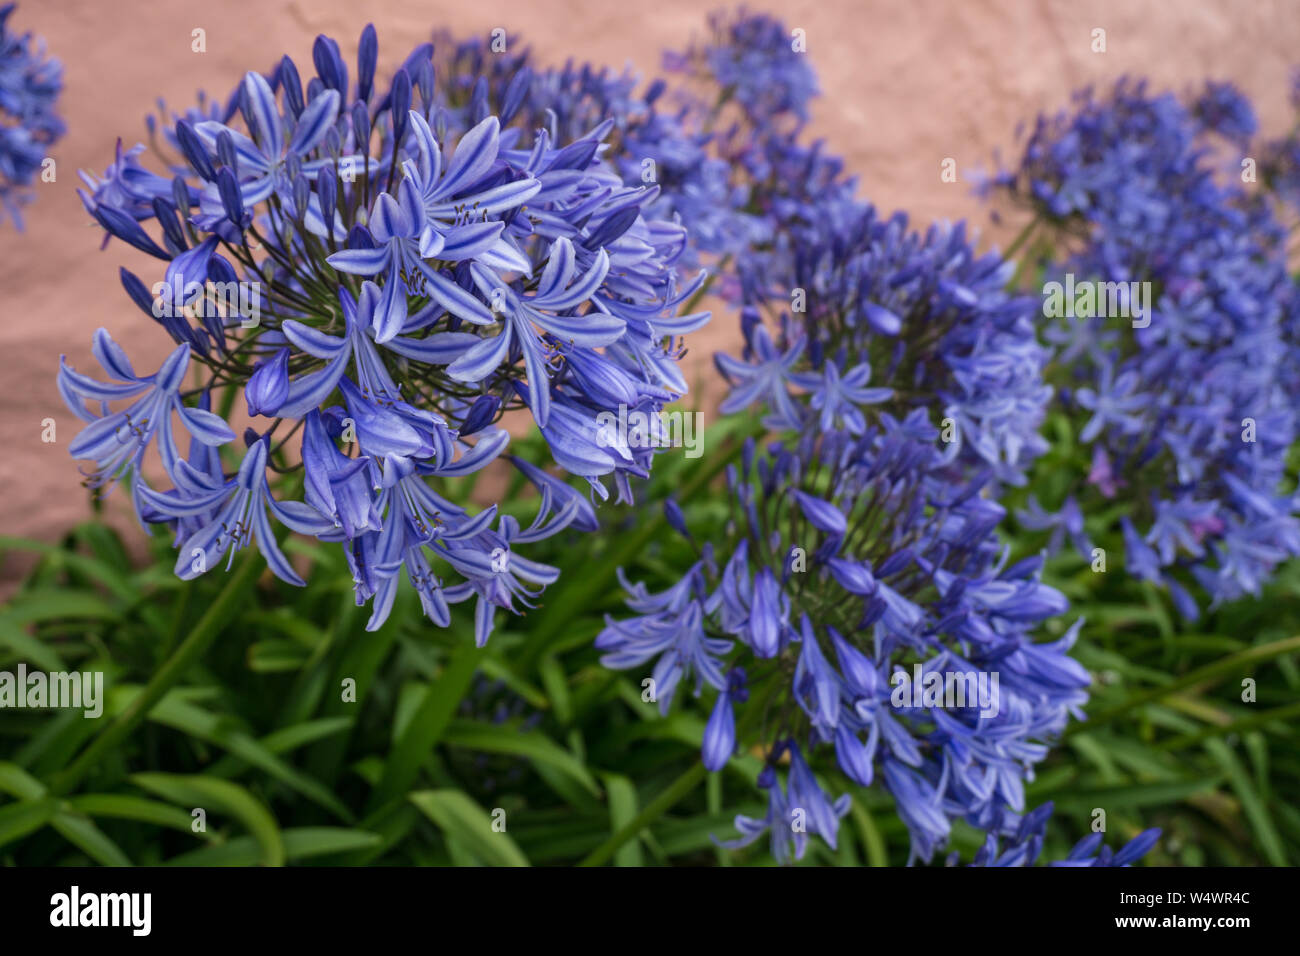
<point x="905" y="84"/>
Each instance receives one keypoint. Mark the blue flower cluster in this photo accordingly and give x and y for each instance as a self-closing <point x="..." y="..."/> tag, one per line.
<point x="383" y="274"/>
<point x="752" y="61"/>
<point x="863" y="595"/>
<point x="835" y="296"/>
<point x="1222" y="109"/>
<point x="844" y="298"/>
<point x="857" y="573"/>
<point x="744" y="97"/>
<point x="1189" y="408"/>
<point x="30" y="83"/>
<point x="1024" y="847"/>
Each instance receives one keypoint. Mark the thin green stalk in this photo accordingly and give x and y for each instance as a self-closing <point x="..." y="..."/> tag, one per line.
<point x="872" y="841"/>
<point x="1218" y="669"/>
<point x="703" y="290"/>
<point x="680" y="787"/>
<point x="683" y="785"/>
<point x="218" y="614"/>
<point x="1019" y="241"/>
<point x="1236" y="727"/>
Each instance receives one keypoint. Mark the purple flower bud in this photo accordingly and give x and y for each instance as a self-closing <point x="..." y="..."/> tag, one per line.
<point x="367" y="57"/>
<point x="515" y="94"/>
<point x="881" y="319"/>
<point x="327" y="193"/>
<point x="719" y="735"/>
<point x="196" y="154"/>
<point x="676" y="520"/>
<point x="400" y="103"/>
<point x="226" y="152"/>
<point x="329" y="64"/>
<point x="268" y="386"/>
<point x="823" y="515"/>
<point x="232" y="199"/>
<point x="292" y="85"/>
<point x="481" y="414"/>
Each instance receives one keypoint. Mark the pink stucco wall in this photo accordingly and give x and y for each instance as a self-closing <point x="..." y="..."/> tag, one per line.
<point x="906" y="82"/>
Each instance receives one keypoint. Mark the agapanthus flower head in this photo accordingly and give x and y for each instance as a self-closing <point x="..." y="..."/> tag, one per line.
<point x="30" y="84"/>
<point x="753" y="61"/>
<point x="861" y="591"/>
<point x="1175" y="321"/>
<point x="848" y="314"/>
<point x="384" y="272"/>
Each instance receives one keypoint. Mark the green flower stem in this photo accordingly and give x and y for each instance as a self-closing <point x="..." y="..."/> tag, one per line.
<point x="227" y="604"/>
<point x="754" y="712"/>
<point x="1020" y="239"/>
<point x="656" y="808"/>
<point x="1217" y="670"/>
<point x="1287" y="713"/>
<point x="708" y="283"/>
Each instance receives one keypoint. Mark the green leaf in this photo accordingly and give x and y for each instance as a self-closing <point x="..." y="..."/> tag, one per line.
<point x="300" y="843"/>
<point x="1138" y="795"/>
<point x="557" y="686"/>
<point x="58" y="604"/>
<point x="224" y="797"/>
<point x="90" y="839"/>
<point x="28" y="648"/>
<point x="218" y="614"/>
<point x="441" y="698"/>
<point x="17" y="782"/>
<point x="532" y="745"/>
<point x="121" y="806"/>
<point x="19" y="819"/>
<point x="622" y="810"/>
<point x="872" y="842"/>
<point x="1256" y="809"/>
<point x="103" y="572"/>
<point x="462" y="820"/>
<point x="275" y="656"/>
<point x="197" y="722"/>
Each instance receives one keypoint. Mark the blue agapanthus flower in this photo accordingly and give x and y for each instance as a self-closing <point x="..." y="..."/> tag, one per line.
<point x="1181" y="370"/>
<point x="692" y="135"/>
<point x="867" y="315"/>
<point x="1024" y="846"/>
<point x="862" y="559"/>
<point x="846" y="313"/>
<point x="383" y="272"/>
<point x="860" y="605"/>
<point x="753" y="61"/>
<point x="1223" y="109"/>
<point x="30" y="83"/>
